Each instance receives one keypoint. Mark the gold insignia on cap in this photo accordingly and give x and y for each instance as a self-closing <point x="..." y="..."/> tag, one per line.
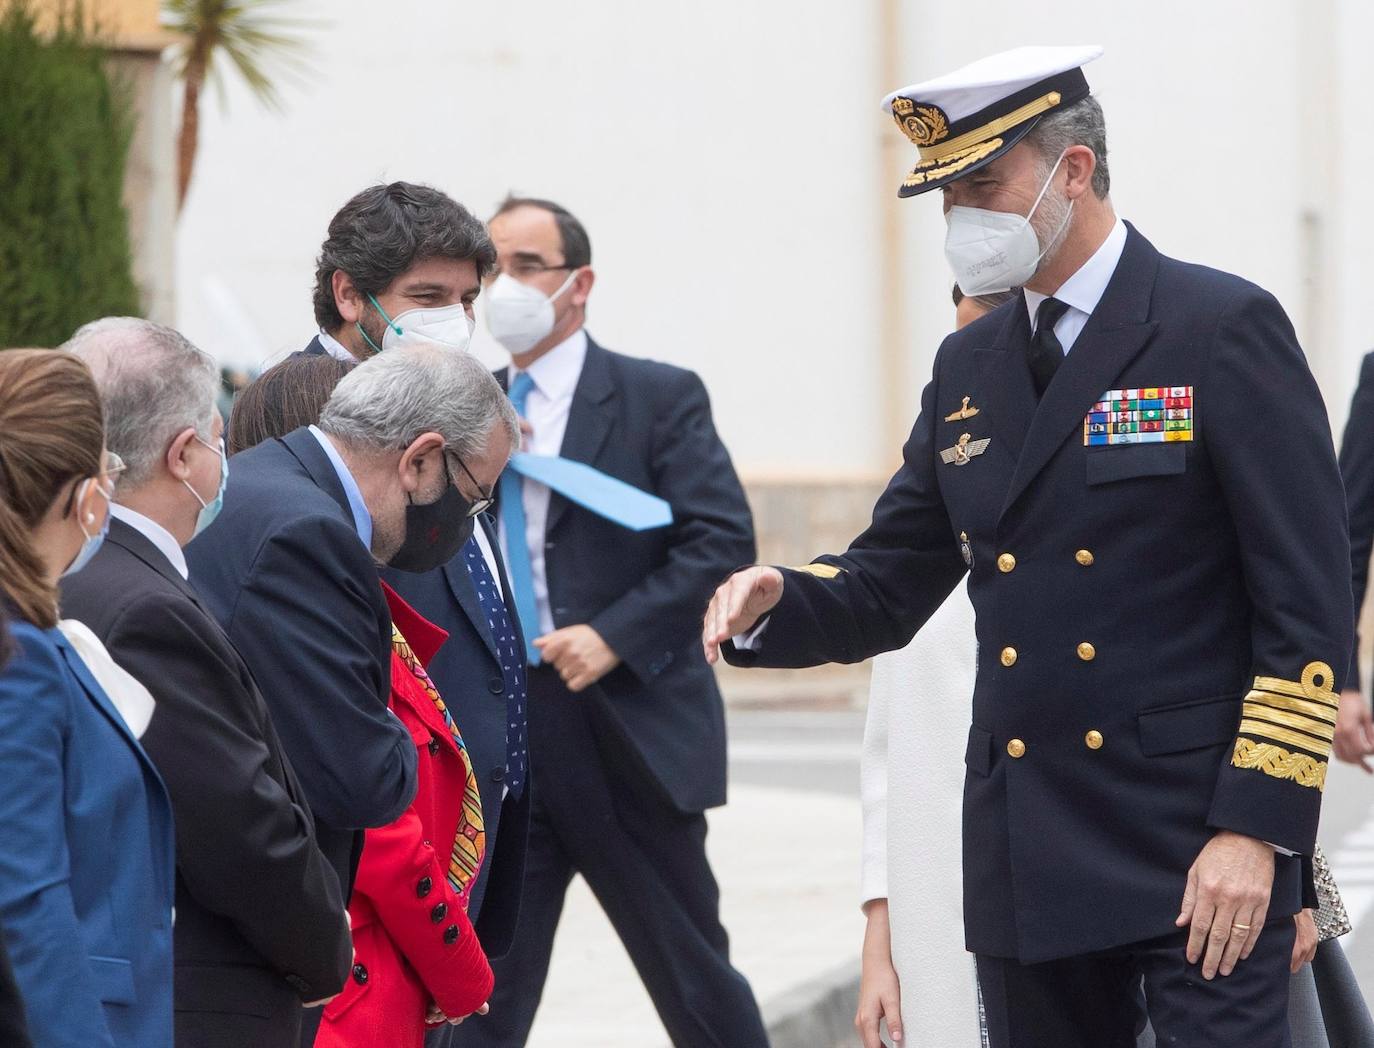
<point x="924" y="125"/>
<point x="964" y="412"/>
<point x="966" y="449"/>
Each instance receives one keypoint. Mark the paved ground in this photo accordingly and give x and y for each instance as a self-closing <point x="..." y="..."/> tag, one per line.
<point x="791" y="906"/>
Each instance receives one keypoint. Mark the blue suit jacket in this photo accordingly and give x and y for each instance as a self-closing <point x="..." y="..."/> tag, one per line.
<point x="1155" y="620"/>
<point x="87" y="861"/>
<point x="467" y="673"/>
<point x="285" y="574"/>
<point x="644" y="592"/>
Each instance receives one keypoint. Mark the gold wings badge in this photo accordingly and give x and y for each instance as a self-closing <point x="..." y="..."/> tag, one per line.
<point x="966" y="449"/>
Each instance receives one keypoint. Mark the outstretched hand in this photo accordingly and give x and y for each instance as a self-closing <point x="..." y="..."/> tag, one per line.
<point x="739" y="603"/>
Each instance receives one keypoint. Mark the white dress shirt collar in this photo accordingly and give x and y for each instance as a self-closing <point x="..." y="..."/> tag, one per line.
<point x="1084" y="290"/>
<point x="555" y="374"/>
<point x="154" y="533"/>
<point x="335" y="348"/>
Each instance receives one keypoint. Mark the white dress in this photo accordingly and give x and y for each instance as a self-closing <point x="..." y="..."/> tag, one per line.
<point x="912" y="782"/>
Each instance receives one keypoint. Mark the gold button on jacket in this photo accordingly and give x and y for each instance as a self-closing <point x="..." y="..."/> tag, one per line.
<point x="1087" y="652"/>
<point x="1008" y="656"/>
<point x="1006" y="563"/>
<point x="1016" y="748"/>
<point x="1093" y="740"/>
<point x="1084" y="557"/>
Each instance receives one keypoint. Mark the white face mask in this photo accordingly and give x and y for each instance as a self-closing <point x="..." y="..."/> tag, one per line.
<point x="992" y="251"/>
<point x="519" y="316"/>
<point x="447" y="326"/>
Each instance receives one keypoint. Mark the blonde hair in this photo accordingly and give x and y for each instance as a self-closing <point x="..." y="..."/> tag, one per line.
<point x="52" y="431"/>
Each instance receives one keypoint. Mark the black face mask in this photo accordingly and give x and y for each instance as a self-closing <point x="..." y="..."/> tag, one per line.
<point x="435" y="532"/>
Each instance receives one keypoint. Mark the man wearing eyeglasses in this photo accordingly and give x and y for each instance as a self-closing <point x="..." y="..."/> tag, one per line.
<point x="626" y="724"/>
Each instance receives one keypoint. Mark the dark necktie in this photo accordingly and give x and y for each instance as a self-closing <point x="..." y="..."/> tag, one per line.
<point x="512" y="664"/>
<point x="1045" y="352"/>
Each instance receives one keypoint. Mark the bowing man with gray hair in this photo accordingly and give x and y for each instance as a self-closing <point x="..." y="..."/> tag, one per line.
<point x="403" y="458"/>
<point x="260" y="926"/>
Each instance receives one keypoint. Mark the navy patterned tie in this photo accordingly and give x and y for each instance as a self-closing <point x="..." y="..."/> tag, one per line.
<point x="512" y="664"/>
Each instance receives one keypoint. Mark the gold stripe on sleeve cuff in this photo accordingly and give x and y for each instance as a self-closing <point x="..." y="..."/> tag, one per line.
<point x="1275" y="733"/>
<point x="820" y="571"/>
<point x="1316" y="710"/>
<point x="1321" y="730"/>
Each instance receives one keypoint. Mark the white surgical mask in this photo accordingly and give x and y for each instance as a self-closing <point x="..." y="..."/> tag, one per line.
<point x="447" y="326"/>
<point x="993" y="251"/>
<point x="519" y="316"/>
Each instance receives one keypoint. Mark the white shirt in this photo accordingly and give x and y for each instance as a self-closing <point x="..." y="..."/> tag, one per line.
<point x="1082" y="291"/>
<point x="154" y="533"/>
<point x="555" y="376"/>
<point x="484" y="544"/>
<point x="335" y="348"/>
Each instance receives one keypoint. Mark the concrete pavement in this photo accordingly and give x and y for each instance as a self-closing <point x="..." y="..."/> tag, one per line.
<point x="786" y="851"/>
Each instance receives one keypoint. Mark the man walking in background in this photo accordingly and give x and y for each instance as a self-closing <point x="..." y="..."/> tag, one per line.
<point x="626" y="725"/>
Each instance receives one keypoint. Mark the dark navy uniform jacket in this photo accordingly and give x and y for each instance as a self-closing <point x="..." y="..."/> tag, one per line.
<point x="1357" y="470"/>
<point x="1157" y="621"/>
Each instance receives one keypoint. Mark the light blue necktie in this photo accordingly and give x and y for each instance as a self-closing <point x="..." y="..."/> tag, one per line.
<point x="517" y="548"/>
<point x="604" y="495"/>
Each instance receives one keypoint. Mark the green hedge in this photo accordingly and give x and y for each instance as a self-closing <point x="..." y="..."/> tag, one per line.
<point x="64" y="135"/>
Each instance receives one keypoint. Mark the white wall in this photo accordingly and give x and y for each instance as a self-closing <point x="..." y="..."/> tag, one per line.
<point x="711" y="148"/>
<point x="733" y="169"/>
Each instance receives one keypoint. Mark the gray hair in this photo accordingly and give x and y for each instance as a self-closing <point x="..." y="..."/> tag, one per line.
<point x="390" y="399"/>
<point x="153" y="384"/>
<point x="1080" y="124"/>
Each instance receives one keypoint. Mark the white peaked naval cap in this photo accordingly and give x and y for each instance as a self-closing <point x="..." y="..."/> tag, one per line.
<point x="964" y="120"/>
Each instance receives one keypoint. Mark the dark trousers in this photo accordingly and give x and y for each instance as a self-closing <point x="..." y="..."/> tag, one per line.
<point x="1094" y="1001"/>
<point x="594" y="814"/>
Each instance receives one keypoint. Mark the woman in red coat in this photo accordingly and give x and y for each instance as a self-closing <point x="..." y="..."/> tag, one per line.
<point x="417" y="957"/>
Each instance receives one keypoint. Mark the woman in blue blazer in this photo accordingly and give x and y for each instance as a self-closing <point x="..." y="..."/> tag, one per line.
<point x="86" y="856"/>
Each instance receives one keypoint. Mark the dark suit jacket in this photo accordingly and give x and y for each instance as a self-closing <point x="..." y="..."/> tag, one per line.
<point x="14" y="1030"/>
<point x="1130" y="600"/>
<point x="467" y="673"/>
<point x="1357" y="470"/>
<point x="650" y="425"/>
<point x="260" y="922"/>
<point x="285" y="574"/>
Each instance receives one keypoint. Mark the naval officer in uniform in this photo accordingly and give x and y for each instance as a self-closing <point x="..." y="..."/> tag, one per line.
<point x="1132" y="463"/>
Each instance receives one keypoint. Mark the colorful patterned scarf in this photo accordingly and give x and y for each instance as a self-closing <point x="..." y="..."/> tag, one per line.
<point x="470" y="842"/>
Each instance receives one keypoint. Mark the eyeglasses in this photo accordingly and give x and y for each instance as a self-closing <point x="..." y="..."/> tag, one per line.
<point x="114" y="465"/>
<point x="488" y="498"/>
<point x="524" y="269"/>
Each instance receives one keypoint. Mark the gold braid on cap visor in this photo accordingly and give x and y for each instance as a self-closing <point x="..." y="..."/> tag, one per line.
<point x="992" y="129"/>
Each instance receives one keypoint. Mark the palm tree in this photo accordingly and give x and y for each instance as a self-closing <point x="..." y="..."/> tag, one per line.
<point x="249" y="34"/>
